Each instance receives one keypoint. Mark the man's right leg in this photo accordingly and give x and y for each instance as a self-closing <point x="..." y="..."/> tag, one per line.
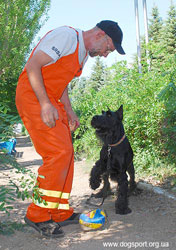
<point x="55" y="147"/>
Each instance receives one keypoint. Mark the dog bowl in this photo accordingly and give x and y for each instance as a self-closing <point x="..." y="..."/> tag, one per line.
<point x="93" y="220"/>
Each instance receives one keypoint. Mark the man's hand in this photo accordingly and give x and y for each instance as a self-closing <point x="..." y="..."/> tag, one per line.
<point x="73" y="120"/>
<point x="72" y="117"/>
<point x="49" y="114"/>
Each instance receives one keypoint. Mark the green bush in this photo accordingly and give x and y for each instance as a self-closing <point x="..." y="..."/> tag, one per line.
<point x="168" y="97"/>
<point x="146" y="109"/>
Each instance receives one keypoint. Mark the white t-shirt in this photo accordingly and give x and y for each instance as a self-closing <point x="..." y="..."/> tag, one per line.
<point x="61" y="42"/>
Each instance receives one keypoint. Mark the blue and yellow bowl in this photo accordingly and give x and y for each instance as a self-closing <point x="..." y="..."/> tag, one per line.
<point x="93" y="220"/>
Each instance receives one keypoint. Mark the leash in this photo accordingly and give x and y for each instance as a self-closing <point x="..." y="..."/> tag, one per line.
<point x="88" y="201"/>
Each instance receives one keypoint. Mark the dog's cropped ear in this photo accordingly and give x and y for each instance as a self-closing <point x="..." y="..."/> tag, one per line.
<point x="120" y="112"/>
<point x="103" y="112"/>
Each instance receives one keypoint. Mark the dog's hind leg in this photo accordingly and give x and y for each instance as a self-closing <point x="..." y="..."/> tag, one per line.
<point x="121" y="204"/>
<point x="131" y="172"/>
<point x="133" y="190"/>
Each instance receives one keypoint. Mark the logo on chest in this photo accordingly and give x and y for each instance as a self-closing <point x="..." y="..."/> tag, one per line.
<point x="56" y="51"/>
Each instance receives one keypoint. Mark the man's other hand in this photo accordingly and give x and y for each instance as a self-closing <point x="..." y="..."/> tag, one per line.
<point x="49" y="114"/>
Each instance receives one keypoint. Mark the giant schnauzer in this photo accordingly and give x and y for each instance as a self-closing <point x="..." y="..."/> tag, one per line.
<point x="116" y="159"/>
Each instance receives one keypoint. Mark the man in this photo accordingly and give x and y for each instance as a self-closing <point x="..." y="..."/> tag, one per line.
<point x="44" y="106"/>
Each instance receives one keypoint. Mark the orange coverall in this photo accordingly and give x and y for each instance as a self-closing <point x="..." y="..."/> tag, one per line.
<point x="53" y="144"/>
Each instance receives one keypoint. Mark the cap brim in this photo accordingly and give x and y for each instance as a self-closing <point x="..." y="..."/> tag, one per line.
<point x="119" y="48"/>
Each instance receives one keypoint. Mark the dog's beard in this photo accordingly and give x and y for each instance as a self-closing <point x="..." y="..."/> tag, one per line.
<point x="99" y="128"/>
<point x="102" y="132"/>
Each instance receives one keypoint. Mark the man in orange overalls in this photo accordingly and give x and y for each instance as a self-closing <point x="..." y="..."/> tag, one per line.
<point x="45" y="109"/>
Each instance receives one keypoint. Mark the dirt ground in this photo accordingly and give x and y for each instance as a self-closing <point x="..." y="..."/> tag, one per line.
<point x="151" y="225"/>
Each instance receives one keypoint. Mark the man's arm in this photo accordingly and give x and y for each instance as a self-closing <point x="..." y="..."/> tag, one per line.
<point x="72" y="117"/>
<point x="49" y="113"/>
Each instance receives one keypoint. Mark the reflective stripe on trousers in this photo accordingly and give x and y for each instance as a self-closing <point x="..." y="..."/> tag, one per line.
<point x="52" y="193"/>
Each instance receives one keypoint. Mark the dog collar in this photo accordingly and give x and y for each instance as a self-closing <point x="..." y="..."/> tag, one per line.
<point x="116" y="144"/>
<point x="109" y="150"/>
<point x="113" y="145"/>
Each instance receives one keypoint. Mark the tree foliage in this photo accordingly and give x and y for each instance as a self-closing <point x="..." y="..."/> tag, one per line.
<point x="98" y="75"/>
<point x="20" y="20"/>
<point x="19" y="23"/>
<point x="162" y="38"/>
<point x="155" y="25"/>
<point x="169" y="31"/>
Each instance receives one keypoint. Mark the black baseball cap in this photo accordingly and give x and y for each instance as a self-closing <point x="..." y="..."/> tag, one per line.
<point x="113" y="30"/>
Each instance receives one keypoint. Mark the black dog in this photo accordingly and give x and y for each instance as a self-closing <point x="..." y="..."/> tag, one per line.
<point x="116" y="159"/>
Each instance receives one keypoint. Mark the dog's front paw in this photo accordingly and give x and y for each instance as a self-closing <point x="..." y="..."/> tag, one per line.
<point x="94" y="183"/>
